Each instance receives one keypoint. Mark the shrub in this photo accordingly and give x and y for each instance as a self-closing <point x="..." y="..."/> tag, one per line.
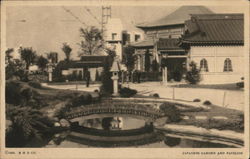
<point x="12" y="93"/>
<point x="62" y="111"/>
<point x="127" y="92"/>
<point x="156" y="95"/>
<point x="207" y="102"/>
<point x="171" y="111"/>
<point x="196" y="100"/>
<point x="193" y="75"/>
<point x="81" y="100"/>
<point x="34" y="84"/>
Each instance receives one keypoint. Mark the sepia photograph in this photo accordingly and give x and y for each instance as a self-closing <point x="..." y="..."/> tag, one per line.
<point x="99" y="75"/>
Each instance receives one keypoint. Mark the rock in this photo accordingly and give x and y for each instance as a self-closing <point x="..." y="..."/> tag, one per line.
<point x="57" y="135"/>
<point x="56" y="124"/>
<point x="64" y="123"/>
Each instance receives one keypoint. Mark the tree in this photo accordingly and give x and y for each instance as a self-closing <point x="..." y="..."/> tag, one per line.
<point x="42" y="62"/>
<point x="67" y="50"/>
<point x="193" y="75"/>
<point x="52" y="56"/>
<point x="27" y="124"/>
<point x="92" y="41"/>
<point x="8" y="55"/>
<point x="129" y="58"/>
<point x="28" y="55"/>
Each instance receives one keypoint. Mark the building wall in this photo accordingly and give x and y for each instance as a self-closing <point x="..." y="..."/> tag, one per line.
<point x="215" y="56"/>
<point x="165" y="32"/>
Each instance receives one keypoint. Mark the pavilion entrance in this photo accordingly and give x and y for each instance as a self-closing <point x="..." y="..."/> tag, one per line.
<point x="176" y="68"/>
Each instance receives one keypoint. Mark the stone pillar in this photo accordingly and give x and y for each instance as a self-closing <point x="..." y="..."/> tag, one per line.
<point x="115" y="85"/>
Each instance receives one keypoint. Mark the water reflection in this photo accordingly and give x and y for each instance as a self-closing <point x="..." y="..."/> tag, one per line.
<point x="113" y="123"/>
<point x="123" y="132"/>
<point x="172" y="141"/>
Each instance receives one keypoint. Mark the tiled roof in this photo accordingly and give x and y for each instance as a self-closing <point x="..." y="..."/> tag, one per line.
<point x="215" y="28"/>
<point x="169" y="44"/>
<point x="179" y="16"/>
<point x="86" y="61"/>
<point x="144" y="43"/>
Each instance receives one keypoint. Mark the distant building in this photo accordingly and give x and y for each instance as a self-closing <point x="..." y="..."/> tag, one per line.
<point x="117" y="36"/>
<point x="92" y="63"/>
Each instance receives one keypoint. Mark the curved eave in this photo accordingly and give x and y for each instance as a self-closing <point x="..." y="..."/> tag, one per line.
<point x="157" y="26"/>
<point x="212" y="42"/>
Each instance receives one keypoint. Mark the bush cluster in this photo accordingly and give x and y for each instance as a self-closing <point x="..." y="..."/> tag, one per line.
<point x="34" y="84"/>
<point x="171" y="111"/>
<point x="127" y="92"/>
<point x="17" y="93"/>
<point x="207" y="102"/>
<point x="81" y="100"/>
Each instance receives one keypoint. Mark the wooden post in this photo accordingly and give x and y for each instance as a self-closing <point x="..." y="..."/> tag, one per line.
<point x="173" y="93"/>
<point x="224" y="97"/>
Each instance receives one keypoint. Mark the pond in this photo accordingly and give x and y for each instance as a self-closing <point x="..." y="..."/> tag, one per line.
<point x="120" y="131"/>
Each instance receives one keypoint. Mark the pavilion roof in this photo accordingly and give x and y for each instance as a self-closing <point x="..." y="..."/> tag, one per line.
<point x="215" y="28"/>
<point x="179" y="16"/>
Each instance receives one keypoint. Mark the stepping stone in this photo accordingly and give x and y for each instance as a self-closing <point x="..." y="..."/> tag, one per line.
<point x="220" y="117"/>
<point x="201" y="117"/>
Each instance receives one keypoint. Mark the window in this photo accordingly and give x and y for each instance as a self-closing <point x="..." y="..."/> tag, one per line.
<point x="203" y="65"/>
<point x="137" y="37"/>
<point x="227" y="65"/>
<point x="114" y="36"/>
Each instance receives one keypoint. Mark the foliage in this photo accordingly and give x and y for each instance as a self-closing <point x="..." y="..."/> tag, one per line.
<point x="156" y="95"/>
<point x="81" y="100"/>
<point x="106" y="88"/>
<point x="27" y="125"/>
<point x="16" y="68"/>
<point x="57" y="72"/>
<point x="52" y="56"/>
<point x="196" y="100"/>
<point x="129" y="57"/>
<point x="193" y="75"/>
<point x="16" y="93"/>
<point x="35" y="84"/>
<point x="127" y="92"/>
<point x="67" y="51"/>
<point x="155" y="66"/>
<point x="8" y="55"/>
<point x="28" y="55"/>
<point x="171" y="111"/>
<point x="207" y="102"/>
<point x="92" y="41"/>
<point x="42" y="62"/>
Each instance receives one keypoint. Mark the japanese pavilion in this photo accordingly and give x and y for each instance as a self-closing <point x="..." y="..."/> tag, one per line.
<point x="194" y="33"/>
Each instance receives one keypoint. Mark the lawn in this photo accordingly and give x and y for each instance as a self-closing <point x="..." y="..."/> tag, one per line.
<point x="231" y="86"/>
<point x="234" y="121"/>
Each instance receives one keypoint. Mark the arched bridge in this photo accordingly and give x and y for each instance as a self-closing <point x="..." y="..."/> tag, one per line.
<point x="114" y="108"/>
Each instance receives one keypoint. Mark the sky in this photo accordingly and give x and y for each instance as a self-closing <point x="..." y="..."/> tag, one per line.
<point x="45" y="28"/>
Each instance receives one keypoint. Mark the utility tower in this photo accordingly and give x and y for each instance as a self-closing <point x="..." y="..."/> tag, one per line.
<point x="106" y="14"/>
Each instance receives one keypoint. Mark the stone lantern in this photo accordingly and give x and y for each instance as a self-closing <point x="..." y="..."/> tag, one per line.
<point x="50" y="70"/>
<point x="115" y="76"/>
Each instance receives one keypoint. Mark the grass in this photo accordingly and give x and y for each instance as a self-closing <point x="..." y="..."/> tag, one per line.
<point x="234" y="121"/>
<point x="231" y="86"/>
